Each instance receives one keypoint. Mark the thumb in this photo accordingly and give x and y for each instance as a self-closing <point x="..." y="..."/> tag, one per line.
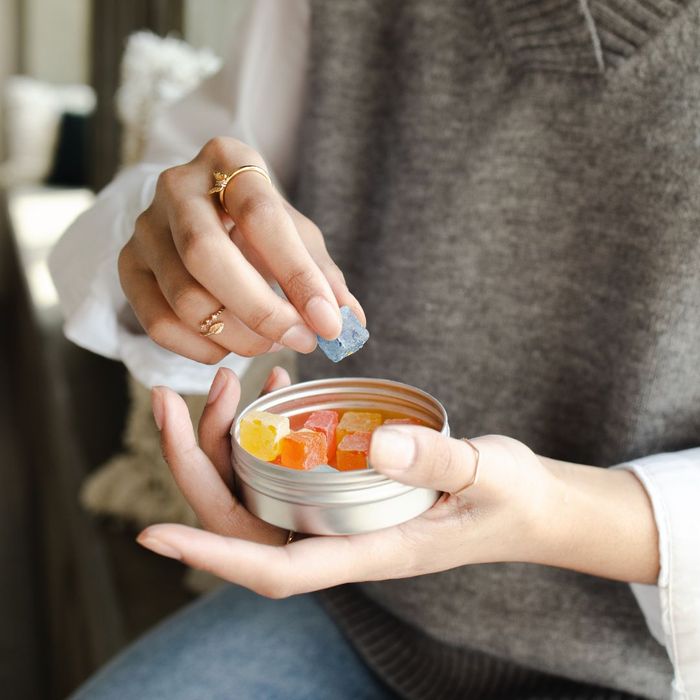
<point x="422" y="457"/>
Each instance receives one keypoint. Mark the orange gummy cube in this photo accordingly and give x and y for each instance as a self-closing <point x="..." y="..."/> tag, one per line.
<point x="303" y="449"/>
<point x="357" y="422"/>
<point x="324" y="422"/>
<point x="352" y="451"/>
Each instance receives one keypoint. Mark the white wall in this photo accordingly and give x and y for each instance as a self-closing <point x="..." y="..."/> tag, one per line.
<point x="56" y="40"/>
<point x="208" y="22"/>
<point x="8" y="48"/>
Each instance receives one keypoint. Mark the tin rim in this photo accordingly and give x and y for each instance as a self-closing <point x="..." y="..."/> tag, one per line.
<point x="308" y="396"/>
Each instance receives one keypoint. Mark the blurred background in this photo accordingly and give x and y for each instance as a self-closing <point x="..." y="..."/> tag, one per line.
<point x="79" y="82"/>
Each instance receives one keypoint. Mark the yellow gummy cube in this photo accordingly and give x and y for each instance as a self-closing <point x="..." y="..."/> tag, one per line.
<point x="357" y="422"/>
<point x="261" y="432"/>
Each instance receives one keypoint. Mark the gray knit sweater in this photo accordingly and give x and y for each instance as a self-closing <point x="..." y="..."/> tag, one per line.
<point x="511" y="187"/>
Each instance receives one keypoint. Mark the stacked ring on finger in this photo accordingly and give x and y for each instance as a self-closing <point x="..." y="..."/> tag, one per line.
<point x="477" y="455"/>
<point x="211" y="324"/>
<point x="221" y="180"/>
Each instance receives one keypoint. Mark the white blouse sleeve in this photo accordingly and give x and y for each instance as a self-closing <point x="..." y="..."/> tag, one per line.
<point x="672" y="608"/>
<point x="257" y="98"/>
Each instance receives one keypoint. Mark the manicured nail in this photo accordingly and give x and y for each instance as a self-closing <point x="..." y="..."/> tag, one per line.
<point x="275" y="347"/>
<point x="324" y="318"/>
<point x="217" y="386"/>
<point x="392" y="449"/>
<point x="157" y="406"/>
<point x="159" y="547"/>
<point x="299" y="338"/>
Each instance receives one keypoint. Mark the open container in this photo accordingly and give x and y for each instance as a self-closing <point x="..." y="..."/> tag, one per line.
<point x="341" y="503"/>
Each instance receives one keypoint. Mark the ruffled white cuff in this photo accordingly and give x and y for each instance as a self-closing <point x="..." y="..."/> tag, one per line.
<point x="97" y="316"/>
<point x="672" y="608"/>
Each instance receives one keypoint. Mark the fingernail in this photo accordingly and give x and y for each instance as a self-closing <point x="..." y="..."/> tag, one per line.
<point x="299" y="338"/>
<point x="157" y="406"/>
<point x="217" y="386"/>
<point x="392" y="449"/>
<point x="159" y="547"/>
<point x="324" y="318"/>
<point x="275" y="347"/>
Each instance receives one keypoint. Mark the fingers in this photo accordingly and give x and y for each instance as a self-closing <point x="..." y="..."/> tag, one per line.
<point x="337" y="281"/>
<point x="198" y="479"/>
<point x="158" y="319"/>
<point x="215" y="424"/>
<point x="190" y="301"/>
<point x="185" y="240"/>
<point x="278" y="378"/>
<point x="278" y="572"/>
<point x="261" y="215"/>
<point x="313" y="239"/>
<point x="422" y="457"/>
<point x="211" y="258"/>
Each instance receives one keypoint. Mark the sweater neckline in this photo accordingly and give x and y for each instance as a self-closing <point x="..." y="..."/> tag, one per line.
<point x="578" y="36"/>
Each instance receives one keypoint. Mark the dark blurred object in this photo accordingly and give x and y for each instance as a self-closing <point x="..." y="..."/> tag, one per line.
<point x="22" y="667"/>
<point x="70" y="164"/>
<point x="78" y="590"/>
<point x="112" y="23"/>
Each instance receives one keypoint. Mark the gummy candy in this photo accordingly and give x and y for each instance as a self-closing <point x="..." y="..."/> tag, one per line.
<point x="303" y="449"/>
<point x="357" y="422"/>
<point x="352" y="337"/>
<point x="261" y="432"/>
<point x="353" y="450"/>
<point x="324" y="422"/>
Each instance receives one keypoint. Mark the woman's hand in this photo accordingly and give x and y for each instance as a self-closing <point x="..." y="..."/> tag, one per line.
<point x="187" y="258"/>
<point x="203" y="471"/>
<point x="522" y="508"/>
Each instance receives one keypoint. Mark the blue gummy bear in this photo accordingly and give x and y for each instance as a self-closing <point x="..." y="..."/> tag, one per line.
<point x="353" y="336"/>
<point x="323" y="468"/>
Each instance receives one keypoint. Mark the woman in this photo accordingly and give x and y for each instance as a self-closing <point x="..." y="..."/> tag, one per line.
<point x="511" y="190"/>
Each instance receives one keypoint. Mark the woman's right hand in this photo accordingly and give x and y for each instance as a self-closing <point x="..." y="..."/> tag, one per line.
<point x="187" y="258"/>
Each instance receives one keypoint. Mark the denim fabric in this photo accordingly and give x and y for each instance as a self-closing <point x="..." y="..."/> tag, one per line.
<point x="235" y="644"/>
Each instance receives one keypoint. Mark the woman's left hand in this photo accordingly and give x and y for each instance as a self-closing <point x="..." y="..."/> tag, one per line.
<point x="521" y="508"/>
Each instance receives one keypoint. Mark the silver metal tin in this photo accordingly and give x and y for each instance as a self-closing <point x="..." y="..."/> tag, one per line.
<point x="339" y="503"/>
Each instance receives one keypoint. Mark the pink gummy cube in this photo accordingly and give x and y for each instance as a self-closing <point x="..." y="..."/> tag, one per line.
<point x="353" y="450"/>
<point x="324" y="422"/>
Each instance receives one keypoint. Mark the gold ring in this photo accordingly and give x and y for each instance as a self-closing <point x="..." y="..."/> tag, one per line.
<point x="211" y="324"/>
<point x="476" y="464"/>
<point x="221" y="180"/>
<point x="290" y="537"/>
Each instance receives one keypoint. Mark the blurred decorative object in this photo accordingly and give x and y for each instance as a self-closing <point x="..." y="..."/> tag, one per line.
<point x="33" y="112"/>
<point x="136" y="486"/>
<point x="156" y="72"/>
<point x="112" y="23"/>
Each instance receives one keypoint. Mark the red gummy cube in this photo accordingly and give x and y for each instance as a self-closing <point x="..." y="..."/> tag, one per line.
<point x="352" y="451"/>
<point x="324" y="422"/>
<point x="303" y="449"/>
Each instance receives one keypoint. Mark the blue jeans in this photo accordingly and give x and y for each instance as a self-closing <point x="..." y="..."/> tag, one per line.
<point x="233" y="644"/>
